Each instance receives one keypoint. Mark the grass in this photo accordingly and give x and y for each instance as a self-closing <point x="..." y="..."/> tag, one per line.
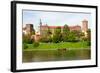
<point x="54" y="46"/>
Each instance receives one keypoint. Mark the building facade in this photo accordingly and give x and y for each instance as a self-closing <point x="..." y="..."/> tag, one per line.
<point x="29" y="28"/>
<point x="84" y="28"/>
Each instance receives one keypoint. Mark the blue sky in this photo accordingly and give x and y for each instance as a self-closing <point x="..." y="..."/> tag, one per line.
<point x="54" y="18"/>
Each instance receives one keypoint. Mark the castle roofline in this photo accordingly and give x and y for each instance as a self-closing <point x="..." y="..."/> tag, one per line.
<point x="53" y="27"/>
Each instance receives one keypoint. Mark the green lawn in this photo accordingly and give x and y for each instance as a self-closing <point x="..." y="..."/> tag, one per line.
<point x="54" y="46"/>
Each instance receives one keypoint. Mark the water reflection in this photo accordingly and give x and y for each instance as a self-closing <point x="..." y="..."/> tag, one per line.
<point x="56" y="55"/>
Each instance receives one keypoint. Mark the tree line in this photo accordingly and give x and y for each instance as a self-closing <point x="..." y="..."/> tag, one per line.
<point x="65" y="35"/>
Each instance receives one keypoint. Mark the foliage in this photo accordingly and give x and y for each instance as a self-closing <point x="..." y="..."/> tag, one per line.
<point x="65" y="33"/>
<point x="57" y="35"/>
<point x="55" y="38"/>
<point x="27" y="39"/>
<point x="66" y="29"/>
<point x="25" y="46"/>
<point x="36" y="44"/>
<point x="49" y="32"/>
<point x="88" y="43"/>
<point x="89" y="35"/>
<point x="72" y="37"/>
<point x="46" y="39"/>
<point x="57" y="30"/>
<point x="67" y="45"/>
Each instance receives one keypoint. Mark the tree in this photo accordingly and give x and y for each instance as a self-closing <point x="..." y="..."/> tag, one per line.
<point x="36" y="44"/>
<point x="57" y="30"/>
<point x="49" y="32"/>
<point x="25" y="46"/>
<point x="55" y="38"/>
<point x="46" y="39"/>
<point x="65" y="33"/>
<point x="57" y="35"/>
<point x="27" y="39"/>
<point x="77" y="35"/>
<point x="66" y="29"/>
<point x="88" y="37"/>
<point x="72" y="37"/>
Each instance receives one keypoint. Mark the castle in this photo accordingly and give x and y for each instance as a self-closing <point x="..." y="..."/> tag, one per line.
<point x="43" y="28"/>
<point x="28" y="29"/>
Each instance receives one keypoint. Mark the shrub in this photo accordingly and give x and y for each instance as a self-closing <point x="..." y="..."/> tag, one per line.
<point x="29" y="41"/>
<point x="25" y="46"/>
<point x="55" y="39"/>
<point x="36" y="44"/>
<point x="46" y="39"/>
<point x="88" y="43"/>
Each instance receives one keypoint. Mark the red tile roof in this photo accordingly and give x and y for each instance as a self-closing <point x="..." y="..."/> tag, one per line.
<point x="71" y="27"/>
<point x="55" y="26"/>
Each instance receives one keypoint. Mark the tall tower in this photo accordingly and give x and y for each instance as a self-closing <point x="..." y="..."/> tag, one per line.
<point x="29" y="28"/>
<point x="40" y="22"/>
<point x="85" y="26"/>
<point x="40" y="27"/>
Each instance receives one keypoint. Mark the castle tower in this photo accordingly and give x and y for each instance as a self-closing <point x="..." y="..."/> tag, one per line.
<point x="85" y="26"/>
<point x="40" y="27"/>
<point x="40" y="22"/>
<point x="29" y="28"/>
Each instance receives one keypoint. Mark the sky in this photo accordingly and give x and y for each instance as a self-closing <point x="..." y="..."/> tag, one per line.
<point x="52" y="18"/>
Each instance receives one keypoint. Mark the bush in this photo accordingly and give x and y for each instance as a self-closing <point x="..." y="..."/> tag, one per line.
<point x="25" y="46"/>
<point x="36" y="44"/>
<point x="27" y="39"/>
<point x="55" y="39"/>
<point x="30" y="41"/>
<point x="46" y="39"/>
<point x="84" y="39"/>
<point x="88" y="43"/>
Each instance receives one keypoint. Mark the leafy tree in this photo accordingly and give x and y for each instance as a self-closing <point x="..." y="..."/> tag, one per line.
<point x="87" y="38"/>
<point x="25" y="46"/>
<point x="57" y="35"/>
<point x="36" y="44"/>
<point x="57" y="30"/>
<point x="66" y="29"/>
<point x="56" y="38"/>
<point x="65" y="33"/>
<point x="27" y="39"/>
<point x="77" y="34"/>
<point x="49" y="32"/>
<point x="46" y="39"/>
<point x="64" y="37"/>
<point x="89" y="35"/>
<point x="72" y="37"/>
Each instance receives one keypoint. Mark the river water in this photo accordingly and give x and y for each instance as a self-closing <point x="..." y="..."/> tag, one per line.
<point x="55" y="55"/>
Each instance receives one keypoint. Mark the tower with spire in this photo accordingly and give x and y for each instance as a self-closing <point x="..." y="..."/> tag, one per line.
<point x="40" y="26"/>
<point x="40" y="22"/>
<point x="85" y="27"/>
